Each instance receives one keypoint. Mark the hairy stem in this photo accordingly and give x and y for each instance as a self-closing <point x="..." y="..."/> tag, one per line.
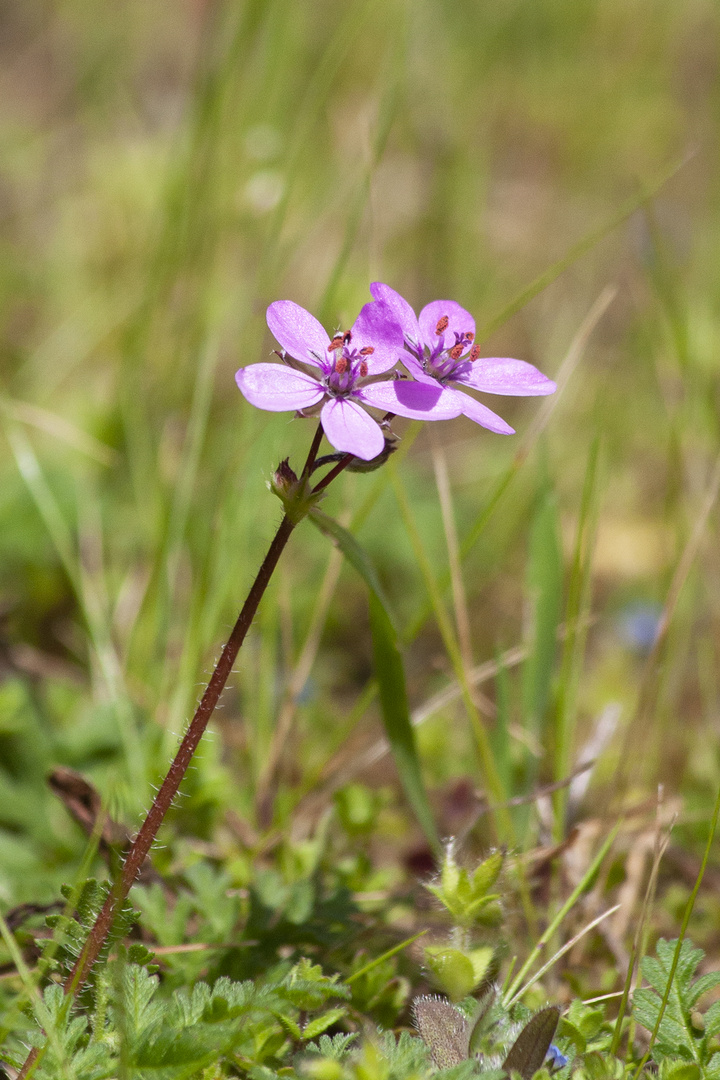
<point x="171" y="784"/>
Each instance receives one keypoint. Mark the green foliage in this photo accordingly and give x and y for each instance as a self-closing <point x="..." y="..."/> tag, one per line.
<point x="584" y="1029"/>
<point x="390" y="677"/>
<point x="377" y="989"/>
<point x="684" y="1032"/>
<point x="167" y="173"/>
<point x="467" y="896"/>
<point x="71" y="927"/>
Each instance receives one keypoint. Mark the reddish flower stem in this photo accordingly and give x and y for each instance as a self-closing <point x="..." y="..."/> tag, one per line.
<point x="333" y="473"/>
<point x="171" y="784"/>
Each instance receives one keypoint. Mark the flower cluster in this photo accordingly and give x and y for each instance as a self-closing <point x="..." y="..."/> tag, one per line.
<point x="340" y="376"/>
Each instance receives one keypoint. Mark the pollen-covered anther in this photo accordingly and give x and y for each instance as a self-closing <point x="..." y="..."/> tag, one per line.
<point x="347" y="337"/>
<point x="336" y="343"/>
<point x="341" y="365"/>
<point x="474" y="353"/>
<point x="456" y="352"/>
<point x="363" y="369"/>
<point x="469" y="336"/>
<point x="368" y="350"/>
<point x="442" y="325"/>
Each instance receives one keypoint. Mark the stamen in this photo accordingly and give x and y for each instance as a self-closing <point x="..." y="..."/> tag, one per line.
<point x="347" y="337"/>
<point x="341" y="365"/>
<point x="474" y="353"/>
<point x="336" y="342"/>
<point x="368" y="350"/>
<point x="469" y="336"/>
<point x="363" y="369"/>
<point x="456" y="352"/>
<point x="442" y="325"/>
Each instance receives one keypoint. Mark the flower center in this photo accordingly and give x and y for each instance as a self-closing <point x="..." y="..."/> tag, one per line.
<point x="344" y="365"/>
<point x="445" y="362"/>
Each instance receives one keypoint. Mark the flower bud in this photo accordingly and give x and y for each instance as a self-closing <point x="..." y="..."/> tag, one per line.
<point x="284" y="478"/>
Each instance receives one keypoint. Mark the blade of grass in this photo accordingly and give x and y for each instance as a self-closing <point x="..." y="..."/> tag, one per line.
<point x="561" y="952"/>
<point x="385" y="956"/>
<point x="310" y="108"/>
<point x="459" y="595"/>
<point x="395" y="708"/>
<point x="544" y="589"/>
<point x="298" y="679"/>
<point x="490" y="774"/>
<point x="563" y="726"/>
<point x="390" y="677"/>
<point x="59" y="428"/>
<point x="582" y="887"/>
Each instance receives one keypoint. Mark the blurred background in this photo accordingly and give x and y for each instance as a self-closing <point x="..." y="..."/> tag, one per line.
<point x="166" y="171"/>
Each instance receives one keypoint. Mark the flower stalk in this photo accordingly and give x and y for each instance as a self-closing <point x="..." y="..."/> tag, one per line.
<point x="171" y="784"/>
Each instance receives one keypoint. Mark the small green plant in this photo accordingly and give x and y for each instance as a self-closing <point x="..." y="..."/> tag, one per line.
<point x="687" y="1042"/>
<point x="468" y="898"/>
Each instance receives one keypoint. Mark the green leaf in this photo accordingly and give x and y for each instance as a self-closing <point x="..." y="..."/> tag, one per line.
<point x="396" y="717"/>
<point x="321" y="1023"/>
<point x="532" y="1044"/>
<point x="353" y="552"/>
<point x="453" y="971"/>
<point x="545" y="585"/>
<point x="390" y="676"/>
<point x="290" y="1025"/>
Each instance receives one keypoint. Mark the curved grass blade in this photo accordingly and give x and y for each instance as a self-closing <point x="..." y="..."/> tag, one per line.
<point x="390" y="677"/>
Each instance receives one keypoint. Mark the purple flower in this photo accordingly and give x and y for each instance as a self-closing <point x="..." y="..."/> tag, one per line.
<point x="441" y="350"/>
<point x="339" y="376"/>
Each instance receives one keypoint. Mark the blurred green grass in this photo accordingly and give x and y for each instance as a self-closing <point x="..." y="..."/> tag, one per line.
<point x="167" y="171"/>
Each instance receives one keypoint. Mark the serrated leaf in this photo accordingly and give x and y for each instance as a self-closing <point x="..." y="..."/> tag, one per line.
<point x="532" y="1044"/>
<point x="702" y="985"/>
<point x="712" y="1020"/>
<point x="334" y="1047"/>
<point x="568" y="1030"/>
<point x="291" y="1026"/>
<point x="321" y="1023"/>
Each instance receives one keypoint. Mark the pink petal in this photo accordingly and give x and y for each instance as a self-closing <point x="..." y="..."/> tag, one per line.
<point x="458" y="320"/>
<point x="350" y="429"/>
<point x="501" y="375"/>
<point x="277" y="388"/>
<point x="419" y="401"/>
<point x="415" y="369"/>
<point x="400" y="309"/>
<point x="298" y="331"/>
<point x="484" y="416"/>
<point x="377" y="328"/>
